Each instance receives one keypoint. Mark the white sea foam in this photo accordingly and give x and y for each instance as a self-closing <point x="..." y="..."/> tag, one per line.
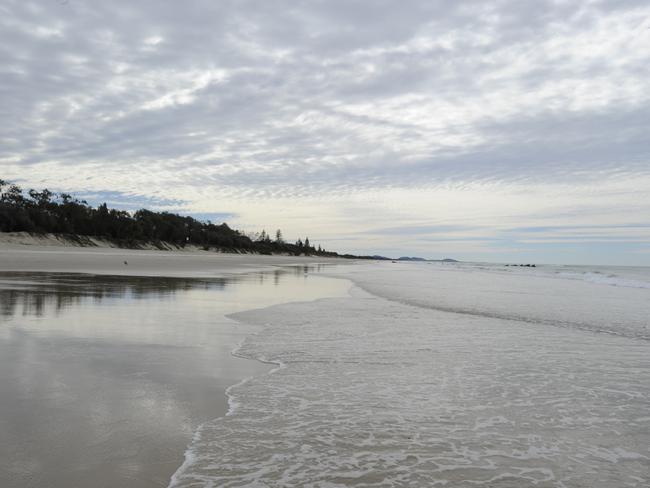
<point x="611" y="279"/>
<point x="623" y="276"/>
<point x="377" y="392"/>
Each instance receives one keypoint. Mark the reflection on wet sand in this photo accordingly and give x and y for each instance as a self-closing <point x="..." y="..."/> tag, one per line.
<point x="104" y="379"/>
<point x="33" y="293"/>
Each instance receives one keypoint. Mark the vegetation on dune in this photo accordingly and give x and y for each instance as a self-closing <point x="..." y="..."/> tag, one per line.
<point x="60" y="213"/>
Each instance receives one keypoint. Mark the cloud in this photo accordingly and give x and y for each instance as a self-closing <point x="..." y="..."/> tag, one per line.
<point x="126" y="201"/>
<point x="237" y="107"/>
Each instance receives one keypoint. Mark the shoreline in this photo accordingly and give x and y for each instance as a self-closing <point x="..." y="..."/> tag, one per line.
<point x="272" y="368"/>
<point x="206" y="375"/>
<point x="349" y="373"/>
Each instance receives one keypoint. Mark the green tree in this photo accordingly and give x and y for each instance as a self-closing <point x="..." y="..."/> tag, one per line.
<point x="41" y="198"/>
<point x="13" y="195"/>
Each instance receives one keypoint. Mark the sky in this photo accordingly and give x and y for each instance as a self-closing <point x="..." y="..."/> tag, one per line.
<point x="504" y="131"/>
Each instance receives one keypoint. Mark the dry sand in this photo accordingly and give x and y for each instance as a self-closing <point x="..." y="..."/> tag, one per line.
<point x="23" y="252"/>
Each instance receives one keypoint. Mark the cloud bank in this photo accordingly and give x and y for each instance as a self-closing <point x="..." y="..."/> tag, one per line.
<point x="462" y="124"/>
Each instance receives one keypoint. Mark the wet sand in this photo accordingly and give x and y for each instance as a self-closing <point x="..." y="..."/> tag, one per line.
<point x="104" y="379"/>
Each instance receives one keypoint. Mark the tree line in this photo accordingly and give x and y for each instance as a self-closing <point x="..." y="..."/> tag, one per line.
<point x="60" y="213"/>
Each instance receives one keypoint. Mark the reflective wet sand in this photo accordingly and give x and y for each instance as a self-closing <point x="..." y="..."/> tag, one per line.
<point x="104" y="379"/>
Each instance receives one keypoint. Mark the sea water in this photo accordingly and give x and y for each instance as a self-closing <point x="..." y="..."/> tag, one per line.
<point x="431" y="374"/>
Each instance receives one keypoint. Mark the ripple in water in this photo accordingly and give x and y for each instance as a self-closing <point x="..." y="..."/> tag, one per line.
<point x="374" y="393"/>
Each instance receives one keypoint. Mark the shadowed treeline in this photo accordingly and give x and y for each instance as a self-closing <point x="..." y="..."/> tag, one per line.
<point x="60" y="213"/>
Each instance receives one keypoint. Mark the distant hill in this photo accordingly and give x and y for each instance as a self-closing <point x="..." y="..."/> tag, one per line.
<point x="415" y="258"/>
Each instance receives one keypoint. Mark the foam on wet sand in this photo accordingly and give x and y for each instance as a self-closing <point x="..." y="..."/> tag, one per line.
<point x="385" y="392"/>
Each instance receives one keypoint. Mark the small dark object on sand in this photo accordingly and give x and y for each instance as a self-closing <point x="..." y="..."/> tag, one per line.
<point x="125" y="263"/>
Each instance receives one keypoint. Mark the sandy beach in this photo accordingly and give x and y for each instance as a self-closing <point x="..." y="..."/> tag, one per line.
<point x="107" y="369"/>
<point x="325" y="244"/>
<point x="189" y="369"/>
<point x="25" y="253"/>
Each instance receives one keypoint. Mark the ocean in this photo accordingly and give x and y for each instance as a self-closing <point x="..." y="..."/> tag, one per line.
<point x="442" y="374"/>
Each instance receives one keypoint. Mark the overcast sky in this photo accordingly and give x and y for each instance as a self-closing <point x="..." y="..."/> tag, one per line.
<point x="503" y="131"/>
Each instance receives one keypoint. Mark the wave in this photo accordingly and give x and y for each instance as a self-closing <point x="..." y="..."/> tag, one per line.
<point x="375" y="393"/>
<point x="604" y="278"/>
<point x="632" y="333"/>
<point x="619" y="276"/>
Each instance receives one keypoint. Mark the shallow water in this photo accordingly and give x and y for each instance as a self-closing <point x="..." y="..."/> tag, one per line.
<point x="103" y="380"/>
<point x="441" y="377"/>
<point x="560" y="296"/>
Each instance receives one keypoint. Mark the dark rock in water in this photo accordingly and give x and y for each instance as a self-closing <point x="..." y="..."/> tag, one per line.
<point x="125" y="263"/>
